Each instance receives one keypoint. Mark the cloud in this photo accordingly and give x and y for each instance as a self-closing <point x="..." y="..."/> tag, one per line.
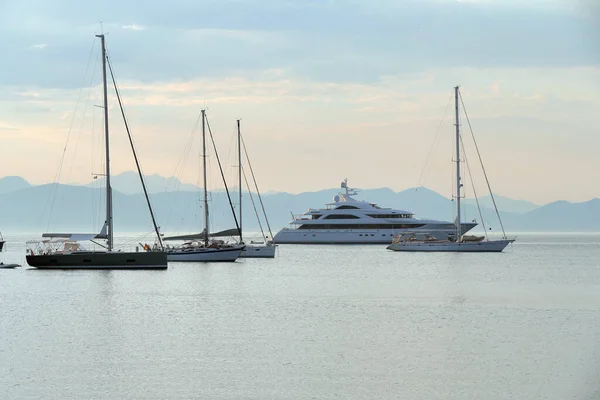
<point x="41" y="46"/>
<point x="134" y="27"/>
<point x="5" y="126"/>
<point x="325" y="41"/>
<point x="304" y="72"/>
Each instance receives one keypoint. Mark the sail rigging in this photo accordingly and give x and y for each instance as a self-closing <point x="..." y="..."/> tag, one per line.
<point x="237" y="225"/>
<point x="487" y="181"/>
<point x="256" y="186"/>
<point x="137" y="164"/>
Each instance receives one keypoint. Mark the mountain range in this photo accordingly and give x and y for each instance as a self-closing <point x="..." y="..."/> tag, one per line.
<point x="178" y="207"/>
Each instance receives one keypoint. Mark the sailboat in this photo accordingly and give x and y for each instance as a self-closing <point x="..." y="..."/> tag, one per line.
<point x="458" y="243"/>
<point x="2" y="241"/>
<point x="64" y="250"/>
<point x="203" y="247"/>
<point x="264" y="249"/>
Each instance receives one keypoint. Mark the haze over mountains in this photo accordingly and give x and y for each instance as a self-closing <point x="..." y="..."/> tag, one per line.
<point x="178" y="207"/>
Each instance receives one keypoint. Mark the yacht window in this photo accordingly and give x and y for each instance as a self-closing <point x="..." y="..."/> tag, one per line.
<point x="389" y="216"/>
<point x="317" y="216"/>
<point x="347" y="208"/>
<point x="361" y="226"/>
<point x="341" y="216"/>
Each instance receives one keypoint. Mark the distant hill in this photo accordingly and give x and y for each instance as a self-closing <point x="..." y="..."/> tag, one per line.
<point x="563" y="216"/>
<point x="505" y="204"/>
<point x="12" y="184"/>
<point x="81" y="208"/>
<point x="129" y="183"/>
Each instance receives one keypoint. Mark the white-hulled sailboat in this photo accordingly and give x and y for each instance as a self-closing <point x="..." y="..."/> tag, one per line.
<point x="202" y="247"/>
<point x="459" y="243"/>
<point x="64" y="250"/>
<point x="266" y="248"/>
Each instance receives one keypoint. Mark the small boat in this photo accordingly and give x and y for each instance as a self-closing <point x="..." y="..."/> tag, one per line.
<point x="259" y="250"/>
<point x="65" y="250"/>
<point x="2" y="241"/>
<point x="265" y="249"/>
<point x="203" y="247"/>
<point x="6" y="266"/>
<point x="454" y="243"/>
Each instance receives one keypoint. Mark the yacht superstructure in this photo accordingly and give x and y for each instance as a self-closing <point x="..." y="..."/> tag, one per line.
<point x="351" y="221"/>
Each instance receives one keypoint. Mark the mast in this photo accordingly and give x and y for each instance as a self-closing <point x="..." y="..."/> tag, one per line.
<point x="240" y="174"/>
<point x="109" y="216"/>
<point x="458" y="184"/>
<point x="205" y="191"/>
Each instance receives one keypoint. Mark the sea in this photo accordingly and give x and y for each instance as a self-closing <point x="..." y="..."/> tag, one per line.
<point x="316" y="322"/>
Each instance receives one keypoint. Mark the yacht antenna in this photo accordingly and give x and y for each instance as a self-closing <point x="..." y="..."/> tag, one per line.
<point x="349" y="191"/>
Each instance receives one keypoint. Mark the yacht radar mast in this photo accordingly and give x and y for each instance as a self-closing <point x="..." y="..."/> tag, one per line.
<point x="348" y="191"/>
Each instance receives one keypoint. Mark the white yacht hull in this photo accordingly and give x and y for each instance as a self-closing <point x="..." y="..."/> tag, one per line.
<point x="259" y="251"/>
<point x="228" y="254"/>
<point x="358" y="236"/>
<point x="492" y="246"/>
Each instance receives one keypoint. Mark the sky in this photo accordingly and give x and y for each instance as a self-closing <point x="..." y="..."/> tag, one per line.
<point x="326" y="90"/>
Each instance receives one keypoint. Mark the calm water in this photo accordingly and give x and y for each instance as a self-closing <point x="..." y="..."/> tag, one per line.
<point x="320" y="322"/>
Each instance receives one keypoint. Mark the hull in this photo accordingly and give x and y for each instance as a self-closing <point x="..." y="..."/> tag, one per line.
<point x="259" y="251"/>
<point x="100" y="260"/>
<point x="206" y="255"/>
<point x="492" y="246"/>
<point x="358" y="236"/>
<point x="9" y="266"/>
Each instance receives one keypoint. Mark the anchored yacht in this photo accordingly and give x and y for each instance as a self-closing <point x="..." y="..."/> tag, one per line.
<point x="351" y="221"/>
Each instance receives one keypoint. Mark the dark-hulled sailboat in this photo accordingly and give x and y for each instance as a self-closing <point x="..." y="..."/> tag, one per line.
<point x="64" y="250"/>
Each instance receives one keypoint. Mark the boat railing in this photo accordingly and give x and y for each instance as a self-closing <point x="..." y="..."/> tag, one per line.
<point x="302" y="217"/>
<point x="62" y="246"/>
<point x="52" y="246"/>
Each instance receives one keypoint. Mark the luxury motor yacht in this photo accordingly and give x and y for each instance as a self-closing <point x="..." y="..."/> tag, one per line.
<point x="351" y="221"/>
